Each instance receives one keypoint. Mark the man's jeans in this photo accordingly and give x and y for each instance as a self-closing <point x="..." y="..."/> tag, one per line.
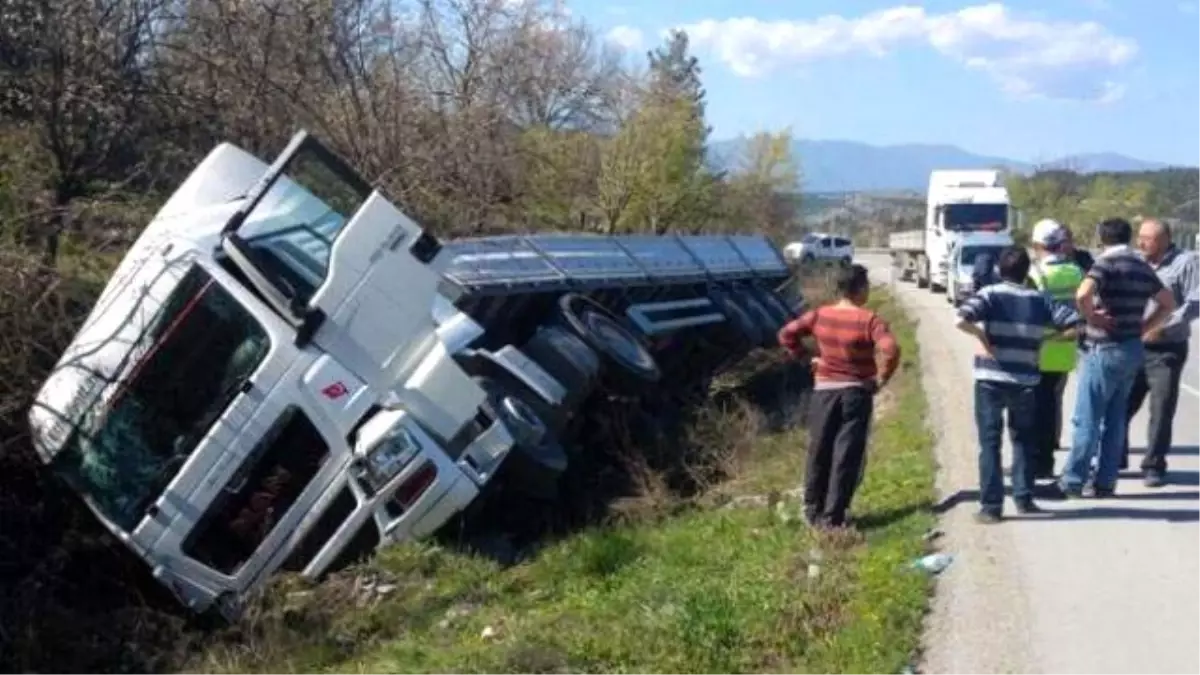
<point x="1158" y="377"/>
<point x="992" y="399"/>
<point x="1106" y="374"/>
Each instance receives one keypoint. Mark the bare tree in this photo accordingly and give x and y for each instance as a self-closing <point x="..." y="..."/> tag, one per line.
<point x="83" y="74"/>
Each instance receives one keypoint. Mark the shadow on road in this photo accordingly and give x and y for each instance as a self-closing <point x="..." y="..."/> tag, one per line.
<point x="1176" y="450"/>
<point x="1188" y="478"/>
<point x="1119" y="513"/>
<point x="1110" y="508"/>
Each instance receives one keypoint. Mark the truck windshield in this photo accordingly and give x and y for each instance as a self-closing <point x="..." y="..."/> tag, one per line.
<point x="975" y="217"/>
<point x="291" y="229"/>
<point x="183" y="371"/>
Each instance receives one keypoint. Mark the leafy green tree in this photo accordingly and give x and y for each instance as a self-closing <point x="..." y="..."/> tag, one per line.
<point x="650" y="180"/>
<point x="675" y="75"/>
<point x="760" y="195"/>
<point x="558" y="177"/>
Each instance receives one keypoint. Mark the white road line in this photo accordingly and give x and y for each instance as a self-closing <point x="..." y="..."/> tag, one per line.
<point x="1189" y="389"/>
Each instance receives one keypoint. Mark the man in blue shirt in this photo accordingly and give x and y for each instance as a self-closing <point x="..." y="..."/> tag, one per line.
<point x="1010" y="320"/>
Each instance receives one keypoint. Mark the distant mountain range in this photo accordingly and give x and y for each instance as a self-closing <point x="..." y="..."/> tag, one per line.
<point x="848" y="166"/>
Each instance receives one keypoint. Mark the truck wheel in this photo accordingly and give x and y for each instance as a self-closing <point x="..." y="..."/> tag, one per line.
<point x="603" y="333"/>
<point x="775" y="305"/>
<point x="741" y="324"/>
<point x="536" y="461"/>
<point x="768" y="327"/>
<point x="566" y="357"/>
<point x="936" y="288"/>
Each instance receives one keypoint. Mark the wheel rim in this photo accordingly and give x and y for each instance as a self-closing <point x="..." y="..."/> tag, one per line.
<point x="618" y="341"/>
<point x="521" y="413"/>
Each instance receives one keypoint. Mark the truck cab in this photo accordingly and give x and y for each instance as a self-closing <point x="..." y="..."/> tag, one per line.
<point x="250" y="383"/>
<point x="961" y="207"/>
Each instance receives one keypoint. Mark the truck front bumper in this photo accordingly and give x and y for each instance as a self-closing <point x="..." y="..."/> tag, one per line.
<point x="962" y="291"/>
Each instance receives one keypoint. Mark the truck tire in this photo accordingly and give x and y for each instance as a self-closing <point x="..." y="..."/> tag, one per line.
<point x="746" y="330"/>
<point x="537" y="461"/>
<point x="620" y="347"/>
<point x="566" y="357"/>
<point x="775" y="305"/>
<point x="768" y="326"/>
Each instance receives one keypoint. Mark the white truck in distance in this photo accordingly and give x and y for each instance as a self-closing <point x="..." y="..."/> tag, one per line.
<point x="962" y="207"/>
<point x="285" y="371"/>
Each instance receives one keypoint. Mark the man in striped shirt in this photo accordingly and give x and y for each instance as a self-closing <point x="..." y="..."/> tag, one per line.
<point x="1010" y="321"/>
<point x="849" y="338"/>
<point x="1113" y="300"/>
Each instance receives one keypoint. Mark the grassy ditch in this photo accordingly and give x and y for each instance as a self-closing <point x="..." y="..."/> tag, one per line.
<point x="718" y="582"/>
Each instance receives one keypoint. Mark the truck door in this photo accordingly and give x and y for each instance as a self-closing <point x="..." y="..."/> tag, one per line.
<point x="355" y="276"/>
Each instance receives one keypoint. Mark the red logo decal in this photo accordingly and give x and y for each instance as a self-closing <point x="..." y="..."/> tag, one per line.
<point x="335" y="391"/>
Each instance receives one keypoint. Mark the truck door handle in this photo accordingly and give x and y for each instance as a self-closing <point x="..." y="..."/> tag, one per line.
<point x="394" y="238"/>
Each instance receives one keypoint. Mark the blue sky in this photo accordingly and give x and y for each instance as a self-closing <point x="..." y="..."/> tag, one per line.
<point x="1020" y="79"/>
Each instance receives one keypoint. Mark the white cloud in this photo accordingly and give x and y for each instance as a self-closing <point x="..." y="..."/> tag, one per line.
<point x="627" y="37"/>
<point x="1027" y="57"/>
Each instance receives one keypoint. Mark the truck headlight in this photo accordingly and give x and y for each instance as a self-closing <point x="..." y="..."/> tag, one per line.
<point x="388" y="458"/>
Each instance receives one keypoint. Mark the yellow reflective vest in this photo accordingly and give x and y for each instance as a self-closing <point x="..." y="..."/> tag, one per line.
<point x="1060" y="278"/>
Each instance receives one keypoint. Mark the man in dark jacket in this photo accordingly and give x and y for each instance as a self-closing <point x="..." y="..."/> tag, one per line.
<point x="1078" y="256"/>
<point x="984" y="272"/>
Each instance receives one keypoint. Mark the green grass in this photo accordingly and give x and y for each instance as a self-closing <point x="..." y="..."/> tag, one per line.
<point x="710" y="590"/>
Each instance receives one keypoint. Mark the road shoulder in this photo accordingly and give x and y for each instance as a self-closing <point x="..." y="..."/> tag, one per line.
<point x="980" y="617"/>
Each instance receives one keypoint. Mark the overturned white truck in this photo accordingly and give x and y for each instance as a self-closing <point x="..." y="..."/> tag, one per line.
<point x="285" y="369"/>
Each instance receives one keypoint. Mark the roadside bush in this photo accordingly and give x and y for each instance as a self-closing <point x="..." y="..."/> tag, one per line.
<point x="71" y="597"/>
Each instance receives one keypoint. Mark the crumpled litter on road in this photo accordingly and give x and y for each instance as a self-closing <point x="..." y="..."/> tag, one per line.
<point x="933" y="563"/>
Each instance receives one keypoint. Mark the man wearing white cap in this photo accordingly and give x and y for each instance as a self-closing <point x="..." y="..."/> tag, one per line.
<point x="1056" y="275"/>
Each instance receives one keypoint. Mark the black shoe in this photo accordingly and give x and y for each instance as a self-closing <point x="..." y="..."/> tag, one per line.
<point x="1052" y="492"/>
<point x="1027" y="507"/>
<point x="813" y="520"/>
<point x="987" y="517"/>
<point x="1154" y="478"/>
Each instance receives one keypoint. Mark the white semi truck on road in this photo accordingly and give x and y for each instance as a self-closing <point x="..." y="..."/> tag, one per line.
<point x="965" y="209"/>
<point x="286" y="371"/>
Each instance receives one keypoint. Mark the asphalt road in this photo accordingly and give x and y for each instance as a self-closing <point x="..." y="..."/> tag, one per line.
<point x="1093" y="586"/>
